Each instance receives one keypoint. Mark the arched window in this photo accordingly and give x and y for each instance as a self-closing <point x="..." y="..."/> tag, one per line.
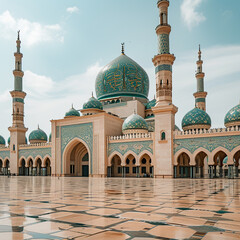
<point x="167" y="82"/>
<point x="161" y="83"/>
<point x="163" y="136"/>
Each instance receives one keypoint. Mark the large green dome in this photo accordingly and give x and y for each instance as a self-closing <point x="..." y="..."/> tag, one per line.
<point x="72" y="113"/>
<point x="232" y="118"/>
<point x="196" y="117"/>
<point x="134" y="122"/>
<point x="93" y="103"/>
<point x="122" y="77"/>
<point x="38" y="134"/>
<point x="2" y="141"/>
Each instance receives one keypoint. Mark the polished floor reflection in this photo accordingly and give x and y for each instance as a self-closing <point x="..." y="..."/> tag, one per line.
<point x="115" y="208"/>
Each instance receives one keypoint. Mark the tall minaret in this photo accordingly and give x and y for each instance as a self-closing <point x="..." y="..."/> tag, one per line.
<point x="17" y="130"/>
<point x="200" y="95"/>
<point x="164" y="110"/>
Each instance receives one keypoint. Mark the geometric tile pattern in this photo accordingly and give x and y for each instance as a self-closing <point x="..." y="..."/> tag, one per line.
<point x="209" y="143"/>
<point x="163" y="67"/>
<point x="4" y="154"/>
<point x="34" y="152"/>
<point x="134" y="121"/>
<point x="233" y="115"/>
<point x="163" y="43"/>
<point x="136" y="147"/>
<point x="114" y="210"/>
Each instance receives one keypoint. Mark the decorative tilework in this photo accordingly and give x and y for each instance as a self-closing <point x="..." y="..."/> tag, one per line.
<point x="4" y="154"/>
<point x="163" y="43"/>
<point x="163" y="67"/>
<point x="233" y="115"/>
<point x="151" y="104"/>
<point x="93" y="103"/>
<point x="18" y="100"/>
<point x="134" y="121"/>
<point x="34" y="152"/>
<point x="82" y="131"/>
<point x="211" y="143"/>
<point x="200" y="100"/>
<point x="196" y="117"/>
<point x="136" y="147"/>
<point x="122" y="77"/>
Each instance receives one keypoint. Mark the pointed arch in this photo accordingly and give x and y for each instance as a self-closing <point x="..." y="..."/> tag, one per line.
<point x="235" y="150"/>
<point x="28" y="160"/>
<point x="67" y="151"/>
<point x="143" y="153"/>
<point x="125" y="156"/>
<point x="181" y="151"/>
<point x="45" y="159"/>
<point x="112" y="155"/>
<point x="35" y="160"/>
<point x="20" y="161"/>
<point x="5" y="161"/>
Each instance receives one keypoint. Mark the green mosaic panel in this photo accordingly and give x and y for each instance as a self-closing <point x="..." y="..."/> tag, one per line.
<point x="200" y="100"/>
<point x="211" y="143"/>
<point x="163" y="67"/>
<point x="136" y="147"/>
<point x="81" y="131"/>
<point x="18" y="100"/>
<point x="163" y="43"/>
<point x="122" y="77"/>
<point x="4" y="154"/>
<point x="34" y="152"/>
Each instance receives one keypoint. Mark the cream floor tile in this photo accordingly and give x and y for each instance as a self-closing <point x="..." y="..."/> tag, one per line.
<point x="14" y="236"/>
<point x="75" y="208"/>
<point x="145" y="209"/>
<point x="104" y="211"/>
<point x="144" y="216"/>
<point x="108" y="235"/>
<point x="220" y="236"/>
<point x="68" y="234"/>
<point x="86" y="230"/>
<point x="133" y="226"/>
<point x="171" y="232"/>
<point x="197" y="213"/>
<point x="167" y="210"/>
<point x="186" y="221"/>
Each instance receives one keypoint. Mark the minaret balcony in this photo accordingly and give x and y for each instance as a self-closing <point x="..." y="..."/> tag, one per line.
<point x="163" y="28"/>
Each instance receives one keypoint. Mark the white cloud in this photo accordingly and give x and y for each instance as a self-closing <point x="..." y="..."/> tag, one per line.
<point x="72" y="9"/>
<point x="31" y="32"/>
<point x="189" y="14"/>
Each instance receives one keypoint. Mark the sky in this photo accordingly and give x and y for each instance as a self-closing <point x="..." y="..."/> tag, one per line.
<point x="65" y="43"/>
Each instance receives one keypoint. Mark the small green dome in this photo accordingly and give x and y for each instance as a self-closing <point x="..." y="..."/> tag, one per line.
<point x="2" y="141"/>
<point x="38" y="134"/>
<point x="50" y="137"/>
<point x="233" y="115"/>
<point x="151" y="104"/>
<point x="9" y="140"/>
<point x="196" y="117"/>
<point x="72" y="113"/>
<point x="122" y="77"/>
<point x="93" y="103"/>
<point x="134" y="121"/>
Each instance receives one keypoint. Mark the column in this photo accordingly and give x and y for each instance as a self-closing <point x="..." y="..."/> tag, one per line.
<point x="194" y="171"/>
<point x="44" y="171"/>
<point x="34" y="171"/>
<point x="175" y="171"/>
<point x="236" y="171"/>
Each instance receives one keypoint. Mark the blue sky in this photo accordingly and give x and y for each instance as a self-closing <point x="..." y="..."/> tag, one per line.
<point x="66" y="42"/>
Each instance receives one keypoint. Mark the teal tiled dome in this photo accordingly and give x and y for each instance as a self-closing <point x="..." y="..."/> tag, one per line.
<point x="196" y="117"/>
<point x="122" y="77"/>
<point x="72" y="113"/>
<point x="233" y="116"/>
<point x="134" y="121"/>
<point x="38" y="134"/>
<point x="2" y="141"/>
<point x="93" y="103"/>
<point x="151" y="104"/>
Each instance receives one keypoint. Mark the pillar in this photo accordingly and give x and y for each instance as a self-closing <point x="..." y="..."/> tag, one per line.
<point x="34" y="171"/>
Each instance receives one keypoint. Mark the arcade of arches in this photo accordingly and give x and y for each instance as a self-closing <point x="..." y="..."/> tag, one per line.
<point x="129" y="167"/>
<point x="201" y="169"/>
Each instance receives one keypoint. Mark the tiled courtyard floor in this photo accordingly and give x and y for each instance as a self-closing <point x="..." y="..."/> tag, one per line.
<point x="114" y="208"/>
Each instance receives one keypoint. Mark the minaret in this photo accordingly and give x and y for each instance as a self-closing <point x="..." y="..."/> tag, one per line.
<point x="17" y="130"/>
<point x="200" y="95"/>
<point x="164" y="110"/>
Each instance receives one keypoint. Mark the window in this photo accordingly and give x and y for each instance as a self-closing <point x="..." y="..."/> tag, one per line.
<point x="119" y="170"/>
<point x="14" y="147"/>
<point x="144" y="161"/>
<point x="144" y="170"/>
<point x="134" y="161"/>
<point x="163" y="136"/>
<point x="151" y="170"/>
<point x="134" y="170"/>
<point x="127" y="161"/>
<point x="72" y="169"/>
<point x="127" y="170"/>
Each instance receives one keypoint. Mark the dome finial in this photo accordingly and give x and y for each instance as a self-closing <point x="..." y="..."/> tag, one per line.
<point x="123" y="48"/>
<point x="92" y="93"/>
<point x="38" y="126"/>
<point x="72" y="105"/>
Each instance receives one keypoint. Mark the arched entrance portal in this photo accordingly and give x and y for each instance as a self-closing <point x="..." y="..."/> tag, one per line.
<point x="183" y="167"/>
<point x="77" y="160"/>
<point x="116" y="167"/>
<point x="219" y="170"/>
<point x="201" y="164"/>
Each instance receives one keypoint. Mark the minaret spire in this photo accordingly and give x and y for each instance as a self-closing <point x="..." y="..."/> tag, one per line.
<point x="200" y="95"/>
<point x="17" y="130"/>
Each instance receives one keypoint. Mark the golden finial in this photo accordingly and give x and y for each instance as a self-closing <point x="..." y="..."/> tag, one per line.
<point x="123" y="53"/>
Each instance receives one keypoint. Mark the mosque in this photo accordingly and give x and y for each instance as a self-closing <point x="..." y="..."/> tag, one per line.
<point x="121" y="133"/>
